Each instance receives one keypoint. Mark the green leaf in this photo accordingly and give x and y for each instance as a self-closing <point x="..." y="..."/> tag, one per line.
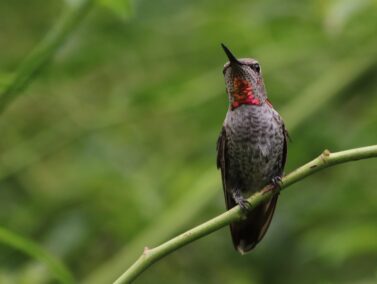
<point x="5" y="79"/>
<point x="339" y="12"/>
<point x="32" y="249"/>
<point x="344" y="243"/>
<point x="121" y="8"/>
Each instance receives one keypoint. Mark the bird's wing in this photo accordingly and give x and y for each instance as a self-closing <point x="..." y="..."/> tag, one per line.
<point x="222" y="164"/>
<point x="286" y="138"/>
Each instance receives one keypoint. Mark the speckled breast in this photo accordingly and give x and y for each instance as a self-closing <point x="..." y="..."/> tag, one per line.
<point x="255" y="142"/>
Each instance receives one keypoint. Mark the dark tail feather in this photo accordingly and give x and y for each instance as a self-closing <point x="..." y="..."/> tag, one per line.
<point x="248" y="233"/>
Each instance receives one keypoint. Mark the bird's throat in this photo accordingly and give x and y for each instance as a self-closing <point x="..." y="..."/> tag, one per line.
<point x="243" y="94"/>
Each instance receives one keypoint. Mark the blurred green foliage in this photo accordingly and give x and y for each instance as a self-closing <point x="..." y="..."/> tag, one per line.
<point x="112" y="145"/>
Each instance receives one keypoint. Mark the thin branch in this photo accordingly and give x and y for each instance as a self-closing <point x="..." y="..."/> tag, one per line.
<point x="325" y="160"/>
<point x="309" y="102"/>
<point x="43" y="51"/>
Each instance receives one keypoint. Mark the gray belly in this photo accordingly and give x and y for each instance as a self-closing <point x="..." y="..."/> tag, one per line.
<point x="255" y="141"/>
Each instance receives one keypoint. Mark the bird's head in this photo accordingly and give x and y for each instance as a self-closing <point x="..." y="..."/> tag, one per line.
<point x="244" y="81"/>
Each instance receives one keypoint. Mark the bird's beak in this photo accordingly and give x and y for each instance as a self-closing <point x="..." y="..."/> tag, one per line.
<point x="232" y="58"/>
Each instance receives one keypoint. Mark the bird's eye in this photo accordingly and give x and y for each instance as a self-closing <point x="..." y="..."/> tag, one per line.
<point x="255" y="67"/>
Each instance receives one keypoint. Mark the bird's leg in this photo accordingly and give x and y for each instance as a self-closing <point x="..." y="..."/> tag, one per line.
<point x="276" y="181"/>
<point x="276" y="186"/>
<point x="240" y="200"/>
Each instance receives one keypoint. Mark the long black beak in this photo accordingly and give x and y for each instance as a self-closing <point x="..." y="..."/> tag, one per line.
<point x="230" y="55"/>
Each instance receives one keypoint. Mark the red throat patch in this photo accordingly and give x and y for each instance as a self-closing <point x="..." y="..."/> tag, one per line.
<point x="243" y="94"/>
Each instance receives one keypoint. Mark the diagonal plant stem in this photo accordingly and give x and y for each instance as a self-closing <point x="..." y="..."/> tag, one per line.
<point x="327" y="87"/>
<point x="325" y="160"/>
<point x="43" y="51"/>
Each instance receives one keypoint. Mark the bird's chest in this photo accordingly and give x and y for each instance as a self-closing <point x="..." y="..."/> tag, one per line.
<point x="254" y="143"/>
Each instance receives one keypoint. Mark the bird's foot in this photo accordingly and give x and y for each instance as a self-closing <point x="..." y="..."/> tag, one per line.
<point x="275" y="181"/>
<point x="242" y="201"/>
<point x="275" y="185"/>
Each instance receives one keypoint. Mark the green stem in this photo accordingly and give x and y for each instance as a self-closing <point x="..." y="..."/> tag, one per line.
<point x="325" y="160"/>
<point x="311" y="101"/>
<point x="43" y="52"/>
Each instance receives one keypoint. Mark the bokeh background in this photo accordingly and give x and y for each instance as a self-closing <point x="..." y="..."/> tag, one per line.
<point x="109" y="145"/>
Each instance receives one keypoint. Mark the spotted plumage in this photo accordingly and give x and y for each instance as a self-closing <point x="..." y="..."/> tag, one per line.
<point x="251" y="148"/>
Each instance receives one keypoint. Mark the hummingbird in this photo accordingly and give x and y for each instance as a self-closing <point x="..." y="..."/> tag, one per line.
<point x="251" y="149"/>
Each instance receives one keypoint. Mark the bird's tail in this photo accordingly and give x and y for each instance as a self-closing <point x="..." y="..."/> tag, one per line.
<point x="246" y="234"/>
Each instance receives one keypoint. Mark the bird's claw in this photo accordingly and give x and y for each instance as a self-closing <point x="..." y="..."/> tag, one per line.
<point x="245" y="205"/>
<point x="276" y="182"/>
<point x="242" y="202"/>
<point x="275" y="185"/>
